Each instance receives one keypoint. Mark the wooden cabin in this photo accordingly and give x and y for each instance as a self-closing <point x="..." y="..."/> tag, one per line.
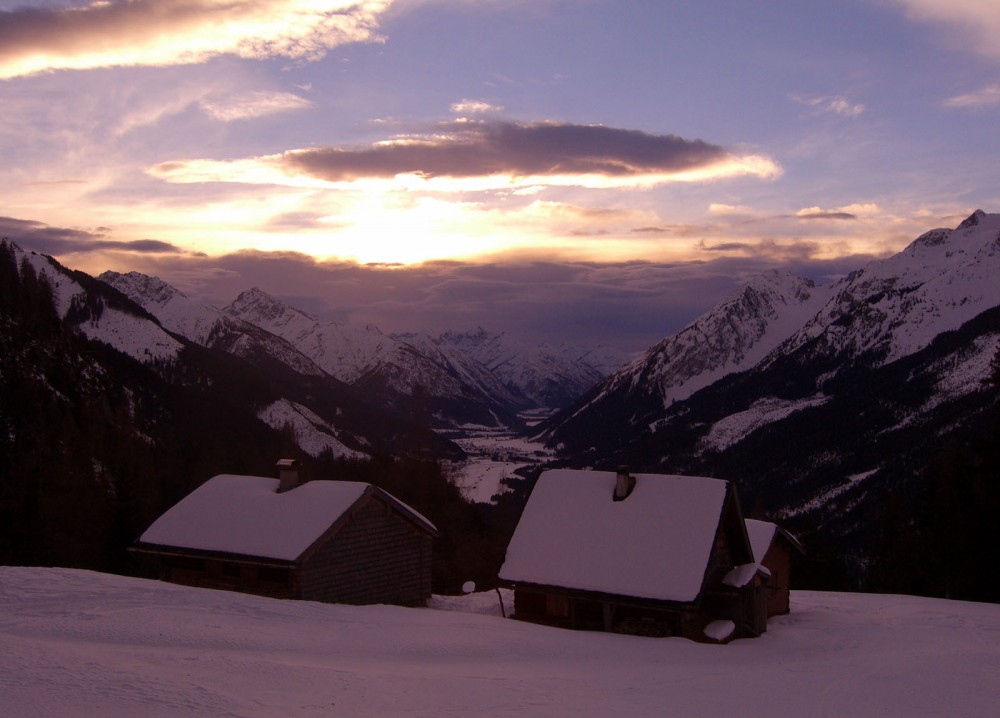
<point x="647" y="554"/>
<point x="331" y="541"/>
<point x="773" y="548"/>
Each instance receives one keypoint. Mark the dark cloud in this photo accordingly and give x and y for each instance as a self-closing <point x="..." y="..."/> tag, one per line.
<point x="826" y="215"/>
<point x="297" y="221"/>
<point x="46" y="239"/>
<point x="467" y="149"/>
<point x="154" y="246"/>
<point x="725" y="246"/>
<point x="64" y="31"/>
<point x="631" y="305"/>
<point x="650" y="230"/>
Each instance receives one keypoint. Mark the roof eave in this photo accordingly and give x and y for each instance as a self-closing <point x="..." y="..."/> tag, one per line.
<point x="183" y="551"/>
<point x="600" y="595"/>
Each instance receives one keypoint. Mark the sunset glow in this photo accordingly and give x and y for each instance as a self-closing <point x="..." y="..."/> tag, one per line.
<point x="173" y="135"/>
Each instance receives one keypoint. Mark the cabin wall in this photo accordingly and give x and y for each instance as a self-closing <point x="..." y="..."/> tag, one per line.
<point x="222" y="574"/>
<point x="377" y="556"/>
<point x="778" y="561"/>
<point x="588" y="612"/>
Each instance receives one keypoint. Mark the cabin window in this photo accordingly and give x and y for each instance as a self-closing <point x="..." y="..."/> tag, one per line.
<point x="557" y="606"/>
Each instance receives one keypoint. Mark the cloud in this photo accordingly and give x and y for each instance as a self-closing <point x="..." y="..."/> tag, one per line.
<point x="986" y="97"/>
<point x="122" y="33"/>
<point x="975" y="24"/>
<point x="721" y="209"/>
<point x="827" y="105"/>
<point x="46" y="239"/>
<point x="474" y="107"/>
<point x="631" y="304"/>
<point x="817" y="213"/>
<point x="229" y="108"/>
<point x="489" y="155"/>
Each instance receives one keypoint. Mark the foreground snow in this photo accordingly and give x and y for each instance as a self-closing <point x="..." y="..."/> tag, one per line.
<point x="77" y="643"/>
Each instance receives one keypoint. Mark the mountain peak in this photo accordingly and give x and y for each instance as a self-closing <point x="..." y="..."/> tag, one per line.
<point x="141" y="287"/>
<point x="256" y="303"/>
<point x="972" y="220"/>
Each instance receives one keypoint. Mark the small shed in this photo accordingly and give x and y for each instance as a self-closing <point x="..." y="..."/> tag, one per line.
<point x="331" y="541"/>
<point x="773" y="548"/>
<point x="647" y="554"/>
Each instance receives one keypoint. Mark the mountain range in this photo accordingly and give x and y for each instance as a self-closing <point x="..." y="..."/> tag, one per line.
<point x="432" y="379"/>
<point x="829" y="406"/>
<point x="346" y="389"/>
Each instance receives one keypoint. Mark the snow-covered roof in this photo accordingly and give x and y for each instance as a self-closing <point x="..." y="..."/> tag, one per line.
<point x="245" y="515"/>
<point x="654" y="544"/>
<point x="762" y="534"/>
<point x="740" y="576"/>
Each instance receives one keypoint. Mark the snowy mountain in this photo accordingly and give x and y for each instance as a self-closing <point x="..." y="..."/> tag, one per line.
<point x="896" y="306"/>
<point x="819" y="402"/>
<point x="460" y="363"/>
<point x="205" y="325"/>
<point x="102" y="315"/>
<point x="393" y="373"/>
<point x="547" y="376"/>
<point x="84" y="643"/>
<point x="214" y="329"/>
<point x="735" y="335"/>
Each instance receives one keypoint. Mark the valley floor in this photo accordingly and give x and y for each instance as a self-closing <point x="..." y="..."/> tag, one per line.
<point x="494" y="455"/>
<point x="78" y="643"/>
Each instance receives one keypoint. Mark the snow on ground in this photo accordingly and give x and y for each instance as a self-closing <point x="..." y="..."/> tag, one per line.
<point x="494" y="455"/>
<point x="77" y="643"/>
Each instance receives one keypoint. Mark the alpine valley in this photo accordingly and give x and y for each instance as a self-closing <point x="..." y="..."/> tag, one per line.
<point x="850" y="413"/>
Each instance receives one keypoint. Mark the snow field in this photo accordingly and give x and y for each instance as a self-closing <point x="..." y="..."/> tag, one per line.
<point x="78" y="643"/>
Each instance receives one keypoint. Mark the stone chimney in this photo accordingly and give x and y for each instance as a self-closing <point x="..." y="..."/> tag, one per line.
<point x="623" y="484"/>
<point x="288" y="474"/>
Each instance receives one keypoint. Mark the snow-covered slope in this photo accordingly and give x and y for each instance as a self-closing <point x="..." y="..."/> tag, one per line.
<point x="79" y="643"/>
<point x="312" y="433"/>
<point x="735" y="335"/>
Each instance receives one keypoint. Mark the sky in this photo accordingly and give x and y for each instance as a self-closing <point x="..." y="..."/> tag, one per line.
<point x="563" y="170"/>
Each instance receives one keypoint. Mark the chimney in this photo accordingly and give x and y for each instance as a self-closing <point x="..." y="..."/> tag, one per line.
<point x="623" y="484"/>
<point x="288" y="474"/>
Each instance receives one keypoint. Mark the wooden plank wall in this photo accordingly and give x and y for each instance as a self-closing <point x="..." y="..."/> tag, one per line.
<point x="377" y="557"/>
